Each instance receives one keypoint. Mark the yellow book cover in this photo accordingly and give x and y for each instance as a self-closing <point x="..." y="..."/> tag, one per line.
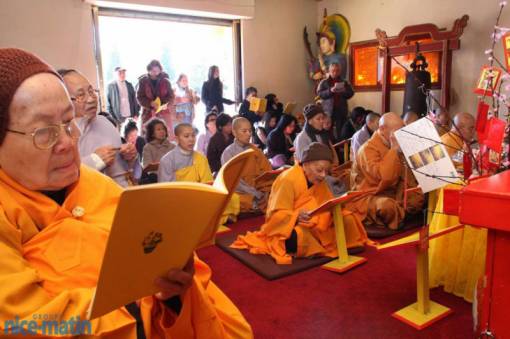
<point x="289" y="107"/>
<point x="154" y="231"/>
<point x="258" y="105"/>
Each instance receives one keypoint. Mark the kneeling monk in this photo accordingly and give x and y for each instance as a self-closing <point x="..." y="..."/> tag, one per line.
<point x="289" y="229"/>
<point x="379" y="165"/>
<point x="253" y="194"/>
<point x="55" y="218"/>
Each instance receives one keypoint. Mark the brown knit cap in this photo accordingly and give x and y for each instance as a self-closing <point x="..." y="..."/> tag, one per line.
<point x="317" y="151"/>
<point x="16" y="66"/>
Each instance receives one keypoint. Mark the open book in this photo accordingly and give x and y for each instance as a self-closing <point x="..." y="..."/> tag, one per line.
<point x="155" y="230"/>
<point x="258" y="105"/>
<point x="349" y="196"/>
<point x="151" y="167"/>
<point x="269" y="175"/>
<point x="289" y="107"/>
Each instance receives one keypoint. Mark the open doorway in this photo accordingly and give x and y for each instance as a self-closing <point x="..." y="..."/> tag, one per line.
<point x="182" y="45"/>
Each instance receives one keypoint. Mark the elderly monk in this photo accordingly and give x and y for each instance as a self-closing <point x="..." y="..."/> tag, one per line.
<point x="55" y="216"/>
<point x="253" y="194"/>
<point x="460" y="135"/>
<point x="289" y="230"/>
<point x="100" y="144"/>
<point x="378" y="165"/>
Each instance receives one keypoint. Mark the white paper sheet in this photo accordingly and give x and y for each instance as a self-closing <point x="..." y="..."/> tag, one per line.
<point x="426" y="156"/>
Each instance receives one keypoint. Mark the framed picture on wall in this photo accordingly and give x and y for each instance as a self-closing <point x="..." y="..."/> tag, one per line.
<point x="489" y="80"/>
<point x="506" y="48"/>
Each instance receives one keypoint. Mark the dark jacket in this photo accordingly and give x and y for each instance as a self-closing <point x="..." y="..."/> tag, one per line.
<point x="244" y="111"/>
<point x="348" y="130"/>
<point x="113" y="101"/>
<point x="149" y="90"/>
<point x="215" y="149"/>
<point x="212" y="95"/>
<point x="277" y="143"/>
<point x="340" y="110"/>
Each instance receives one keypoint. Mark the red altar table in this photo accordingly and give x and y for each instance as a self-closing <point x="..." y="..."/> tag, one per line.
<point x="486" y="203"/>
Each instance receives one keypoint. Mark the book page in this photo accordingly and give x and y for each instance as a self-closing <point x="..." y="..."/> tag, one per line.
<point x="426" y="155"/>
<point x="154" y="230"/>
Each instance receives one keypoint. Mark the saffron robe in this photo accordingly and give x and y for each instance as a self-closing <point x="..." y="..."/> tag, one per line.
<point x="376" y="166"/>
<point x="252" y="193"/>
<point x="453" y="144"/>
<point x="50" y="258"/>
<point x="179" y="165"/>
<point x="289" y="196"/>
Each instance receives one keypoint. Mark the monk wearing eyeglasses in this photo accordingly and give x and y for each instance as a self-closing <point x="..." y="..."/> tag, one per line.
<point x="55" y="218"/>
<point x="100" y="144"/>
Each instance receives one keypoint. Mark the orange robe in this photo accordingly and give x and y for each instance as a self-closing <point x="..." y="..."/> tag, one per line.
<point x="378" y="167"/>
<point x="257" y="164"/>
<point x="50" y="258"/>
<point x="289" y="196"/>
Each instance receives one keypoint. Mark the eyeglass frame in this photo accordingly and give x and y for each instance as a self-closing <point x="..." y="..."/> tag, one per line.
<point x="67" y="127"/>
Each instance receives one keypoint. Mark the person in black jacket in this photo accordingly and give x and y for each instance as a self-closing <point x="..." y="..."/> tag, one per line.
<point x="280" y="142"/>
<point x="244" y="109"/>
<point x="334" y="92"/>
<point x="355" y="122"/>
<point x="212" y="91"/>
<point x="274" y="105"/>
<point x="219" y="141"/>
<point x="121" y="100"/>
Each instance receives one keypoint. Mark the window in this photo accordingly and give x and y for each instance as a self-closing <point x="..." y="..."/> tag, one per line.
<point x="182" y="44"/>
<point x="367" y="67"/>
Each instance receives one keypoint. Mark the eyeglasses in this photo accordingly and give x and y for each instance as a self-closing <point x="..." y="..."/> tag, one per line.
<point x="46" y="137"/>
<point x="83" y="96"/>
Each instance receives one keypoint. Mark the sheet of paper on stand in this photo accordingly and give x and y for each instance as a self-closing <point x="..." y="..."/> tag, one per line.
<point x="426" y="155"/>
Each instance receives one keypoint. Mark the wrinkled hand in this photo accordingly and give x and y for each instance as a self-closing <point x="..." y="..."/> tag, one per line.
<point x="106" y="153"/>
<point x="128" y="151"/>
<point x="304" y="219"/>
<point x="175" y="282"/>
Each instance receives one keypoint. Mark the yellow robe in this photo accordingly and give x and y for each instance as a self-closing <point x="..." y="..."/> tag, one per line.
<point x="457" y="259"/>
<point x="378" y="167"/>
<point x="50" y="261"/>
<point x="289" y="196"/>
<point x="198" y="172"/>
<point x="201" y="172"/>
<point x="257" y="165"/>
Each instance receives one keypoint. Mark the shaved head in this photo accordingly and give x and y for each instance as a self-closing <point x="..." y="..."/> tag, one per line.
<point x="241" y="128"/>
<point x="463" y="118"/>
<point x="388" y="124"/>
<point x="464" y="124"/>
<point x="391" y="120"/>
<point x="240" y="122"/>
<point x="179" y="129"/>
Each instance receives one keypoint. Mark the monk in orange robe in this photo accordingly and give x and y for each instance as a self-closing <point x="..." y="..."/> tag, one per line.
<point x="461" y="134"/>
<point x="253" y="193"/>
<point x="289" y="230"/>
<point x="379" y="165"/>
<point x="55" y="217"/>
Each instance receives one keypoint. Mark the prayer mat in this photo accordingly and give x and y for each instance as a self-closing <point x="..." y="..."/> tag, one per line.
<point x="265" y="265"/>
<point x="410" y="223"/>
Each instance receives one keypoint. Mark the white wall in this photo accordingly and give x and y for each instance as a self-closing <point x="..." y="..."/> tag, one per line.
<point x="392" y="15"/>
<point x="59" y="31"/>
<point x="274" y="57"/>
